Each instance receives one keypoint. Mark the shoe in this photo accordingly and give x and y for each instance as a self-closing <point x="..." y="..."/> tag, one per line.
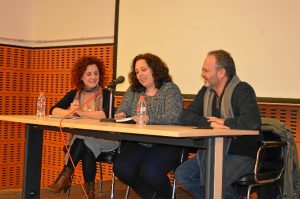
<point x="89" y="188"/>
<point x="63" y="181"/>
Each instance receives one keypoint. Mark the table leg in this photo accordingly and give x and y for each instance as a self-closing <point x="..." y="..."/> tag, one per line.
<point x="214" y="168"/>
<point x="32" y="162"/>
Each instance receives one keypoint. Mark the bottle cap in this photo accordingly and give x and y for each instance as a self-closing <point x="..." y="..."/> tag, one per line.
<point x="142" y="97"/>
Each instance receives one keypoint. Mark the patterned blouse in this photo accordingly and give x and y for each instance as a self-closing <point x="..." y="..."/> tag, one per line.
<point x="163" y="108"/>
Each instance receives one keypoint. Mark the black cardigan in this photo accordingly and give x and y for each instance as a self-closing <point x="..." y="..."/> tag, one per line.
<point x="246" y="112"/>
<point x="66" y="101"/>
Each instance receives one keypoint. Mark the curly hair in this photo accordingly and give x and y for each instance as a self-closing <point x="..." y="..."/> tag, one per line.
<point x="159" y="68"/>
<point x="81" y="66"/>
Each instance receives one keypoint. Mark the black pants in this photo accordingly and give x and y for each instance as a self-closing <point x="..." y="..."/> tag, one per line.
<point x="145" y="169"/>
<point x="79" y="151"/>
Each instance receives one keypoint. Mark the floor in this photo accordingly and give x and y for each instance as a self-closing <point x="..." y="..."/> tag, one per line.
<point x="76" y="193"/>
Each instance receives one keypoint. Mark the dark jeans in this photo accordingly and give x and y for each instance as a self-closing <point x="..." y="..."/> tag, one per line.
<point x="79" y="151"/>
<point x="188" y="174"/>
<point x="145" y="169"/>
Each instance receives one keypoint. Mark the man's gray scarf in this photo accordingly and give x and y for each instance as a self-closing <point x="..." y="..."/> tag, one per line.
<point x="226" y="108"/>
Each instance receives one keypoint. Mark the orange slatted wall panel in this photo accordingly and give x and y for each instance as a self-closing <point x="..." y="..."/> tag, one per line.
<point x="24" y="72"/>
<point x="14" y="99"/>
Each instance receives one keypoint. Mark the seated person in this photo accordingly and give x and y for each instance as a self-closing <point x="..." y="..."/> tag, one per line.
<point x="223" y="102"/>
<point x="144" y="166"/>
<point x="89" y="99"/>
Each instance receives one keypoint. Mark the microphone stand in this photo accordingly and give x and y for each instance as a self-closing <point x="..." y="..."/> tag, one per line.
<point x="111" y="94"/>
<point x="111" y="91"/>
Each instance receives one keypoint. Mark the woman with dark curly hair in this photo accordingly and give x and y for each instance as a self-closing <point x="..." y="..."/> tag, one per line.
<point x="144" y="166"/>
<point x="89" y="99"/>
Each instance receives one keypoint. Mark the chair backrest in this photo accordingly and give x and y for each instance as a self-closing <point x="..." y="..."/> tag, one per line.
<point x="270" y="158"/>
<point x="272" y="154"/>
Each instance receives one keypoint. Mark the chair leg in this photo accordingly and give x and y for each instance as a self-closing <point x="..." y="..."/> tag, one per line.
<point x="127" y="192"/>
<point x="280" y="190"/>
<point x="68" y="192"/>
<point x="112" y="186"/>
<point x="249" y="191"/>
<point x="101" y="178"/>
<point x="174" y="180"/>
<point x="174" y="188"/>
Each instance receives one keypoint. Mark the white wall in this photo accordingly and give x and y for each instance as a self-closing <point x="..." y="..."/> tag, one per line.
<point x="56" y="22"/>
<point x="263" y="37"/>
<point x="16" y="19"/>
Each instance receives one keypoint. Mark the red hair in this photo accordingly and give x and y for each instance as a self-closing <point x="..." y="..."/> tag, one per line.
<point x="81" y="66"/>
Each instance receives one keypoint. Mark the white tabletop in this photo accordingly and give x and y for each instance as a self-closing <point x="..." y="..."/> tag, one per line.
<point x="156" y="130"/>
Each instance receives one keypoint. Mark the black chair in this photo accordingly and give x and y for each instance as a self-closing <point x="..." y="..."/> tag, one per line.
<point x="109" y="158"/>
<point x="184" y="155"/>
<point x="269" y="165"/>
<point x="104" y="157"/>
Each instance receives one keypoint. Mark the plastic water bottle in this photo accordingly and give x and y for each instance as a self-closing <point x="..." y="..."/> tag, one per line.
<point x="41" y="105"/>
<point x="141" y="111"/>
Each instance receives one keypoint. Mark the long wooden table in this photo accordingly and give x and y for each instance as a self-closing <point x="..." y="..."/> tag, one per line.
<point x="211" y="139"/>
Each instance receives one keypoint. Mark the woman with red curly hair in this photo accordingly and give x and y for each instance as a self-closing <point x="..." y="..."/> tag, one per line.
<point x="89" y="99"/>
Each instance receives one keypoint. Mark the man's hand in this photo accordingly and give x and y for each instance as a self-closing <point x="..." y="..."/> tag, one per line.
<point x="217" y="123"/>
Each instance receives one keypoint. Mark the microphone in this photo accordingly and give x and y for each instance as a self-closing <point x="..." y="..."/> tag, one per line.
<point x="119" y="80"/>
<point x="112" y="86"/>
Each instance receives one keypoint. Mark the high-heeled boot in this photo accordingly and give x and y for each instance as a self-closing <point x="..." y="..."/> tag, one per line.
<point x="89" y="188"/>
<point x="63" y="181"/>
